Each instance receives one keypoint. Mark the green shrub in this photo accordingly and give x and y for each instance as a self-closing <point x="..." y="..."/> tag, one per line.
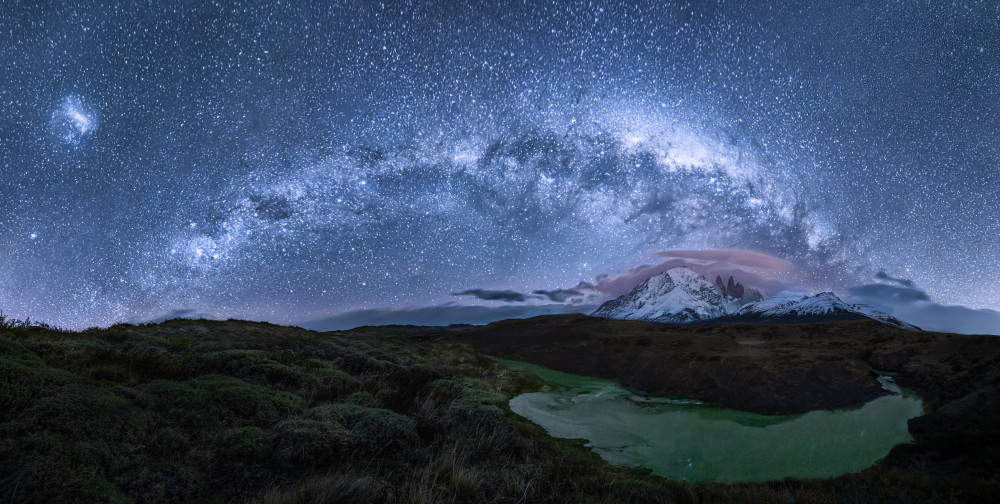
<point x="232" y="399"/>
<point x="231" y="361"/>
<point x="180" y="343"/>
<point x="302" y="443"/>
<point x="15" y="350"/>
<point x="24" y="380"/>
<point x="169" y="441"/>
<point x="464" y="390"/>
<point x="362" y="398"/>
<point x="260" y="366"/>
<point x="87" y="412"/>
<point x="75" y="444"/>
<point x="375" y="430"/>
<point x="151" y="481"/>
<point x="278" y="374"/>
<point x="243" y="445"/>
<point x="482" y="427"/>
<point x="47" y="467"/>
<point x="331" y="384"/>
<point x="166" y="395"/>
<point x="360" y="363"/>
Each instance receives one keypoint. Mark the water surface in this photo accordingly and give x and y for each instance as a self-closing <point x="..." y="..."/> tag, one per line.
<point x="685" y="440"/>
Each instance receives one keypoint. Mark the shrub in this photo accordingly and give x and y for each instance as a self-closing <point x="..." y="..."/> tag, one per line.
<point x="333" y="487"/>
<point x="86" y="412"/>
<point x="243" y="445"/>
<point x="332" y="384"/>
<point x="13" y="349"/>
<point x="232" y="399"/>
<point x="464" y="390"/>
<point x="47" y="467"/>
<point x="302" y="443"/>
<point x="23" y="380"/>
<point x="360" y="363"/>
<point x="362" y="398"/>
<point x="74" y="444"/>
<point x="169" y="441"/>
<point x="375" y="431"/>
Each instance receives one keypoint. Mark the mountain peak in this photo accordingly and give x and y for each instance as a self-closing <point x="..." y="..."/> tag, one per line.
<point x="680" y="295"/>
<point x="676" y="295"/>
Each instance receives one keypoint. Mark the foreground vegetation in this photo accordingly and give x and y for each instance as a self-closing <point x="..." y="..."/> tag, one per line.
<point x="217" y="412"/>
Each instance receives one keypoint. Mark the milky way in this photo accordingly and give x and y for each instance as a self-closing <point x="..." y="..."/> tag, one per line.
<point x="291" y="161"/>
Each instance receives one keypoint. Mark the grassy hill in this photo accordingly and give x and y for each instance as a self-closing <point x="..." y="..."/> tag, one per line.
<point x="232" y="411"/>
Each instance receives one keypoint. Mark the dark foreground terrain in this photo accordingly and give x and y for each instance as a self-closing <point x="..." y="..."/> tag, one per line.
<point x="217" y="412"/>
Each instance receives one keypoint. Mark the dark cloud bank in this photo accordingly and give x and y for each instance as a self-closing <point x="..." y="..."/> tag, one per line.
<point x="440" y="315"/>
<point x="494" y="295"/>
<point x="903" y="299"/>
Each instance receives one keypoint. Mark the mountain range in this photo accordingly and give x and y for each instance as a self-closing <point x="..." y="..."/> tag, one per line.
<point x="683" y="296"/>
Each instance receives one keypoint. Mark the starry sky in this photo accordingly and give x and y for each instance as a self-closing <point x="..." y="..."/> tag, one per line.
<point x="296" y="161"/>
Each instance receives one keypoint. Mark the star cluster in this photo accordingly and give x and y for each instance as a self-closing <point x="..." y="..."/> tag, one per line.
<point x="291" y="160"/>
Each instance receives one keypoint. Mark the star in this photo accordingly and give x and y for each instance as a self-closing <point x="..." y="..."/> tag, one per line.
<point x="297" y="160"/>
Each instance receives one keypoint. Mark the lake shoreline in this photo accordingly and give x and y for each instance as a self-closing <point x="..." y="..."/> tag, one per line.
<point x="770" y="369"/>
<point x="689" y="441"/>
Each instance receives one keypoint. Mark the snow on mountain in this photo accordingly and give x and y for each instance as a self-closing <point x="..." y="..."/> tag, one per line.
<point x="883" y="317"/>
<point x="818" y="306"/>
<point x="677" y="295"/>
<point x="680" y="295"/>
<point x="824" y="303"/>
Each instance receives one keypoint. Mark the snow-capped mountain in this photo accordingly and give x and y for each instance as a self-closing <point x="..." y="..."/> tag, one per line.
<point x="677" y="295"/>
<point x="824" y="303"/>
<point x="822" y="306"/>
<point x="680" y="296"/>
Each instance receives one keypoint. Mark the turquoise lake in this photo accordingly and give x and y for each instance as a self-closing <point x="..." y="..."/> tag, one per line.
<point x="685" y="440"/>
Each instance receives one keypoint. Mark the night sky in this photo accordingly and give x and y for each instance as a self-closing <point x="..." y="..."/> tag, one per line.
<point x="293" y="161"/>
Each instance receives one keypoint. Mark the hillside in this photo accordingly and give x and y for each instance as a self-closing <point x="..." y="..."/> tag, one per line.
<point x="206" y="411"/>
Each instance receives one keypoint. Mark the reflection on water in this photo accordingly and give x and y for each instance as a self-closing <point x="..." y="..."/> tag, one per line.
<point x="683" y="439"/>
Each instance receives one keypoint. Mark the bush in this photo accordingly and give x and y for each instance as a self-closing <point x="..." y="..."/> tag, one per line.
<point x="332" y="384"/>
<point x="15" y="350"/>
<point x="85" y="412"/>
<point x="362" y="398"/>
<point x="47" y="467"/>
<point x="169" y="441"/>
<point x="243" y="445"/>
<point x="234" y="400"/>
<point x="23" y="380"/>
<point x="376" y="431"/>
<point x="75" y="444"/>
<point x="464" y="390"/>
<point x="302" y="443"/>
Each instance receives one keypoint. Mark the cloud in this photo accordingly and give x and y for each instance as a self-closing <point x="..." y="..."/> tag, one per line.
<point x="884" y="293"/>
<point x="734" y="257"/>
<point x="882" y="275"/>
<point x="439" y="315"/>
<point x="904" y="300"/>
<point x="951" y="318"/>
<point x="753" y="269"/>
<point x="508" y="296"/>
<point x="558" y="295"/>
